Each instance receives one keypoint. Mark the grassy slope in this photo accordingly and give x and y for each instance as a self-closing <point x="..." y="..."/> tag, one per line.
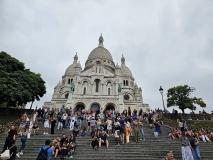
<point x="200" y="124"/>
<point x="8" y="118"/>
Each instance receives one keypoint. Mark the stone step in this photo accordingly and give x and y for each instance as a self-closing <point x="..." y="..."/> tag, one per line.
<point x="152" y="148"/>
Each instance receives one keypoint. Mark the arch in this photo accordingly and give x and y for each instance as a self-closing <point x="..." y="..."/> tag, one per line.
<point x="87" y="80"/>
<point x="95" y="106"/>
<point x="63" y="94"/>
<point x="109" y="106"/>
<point x="79" y="105"/>
<point x="106" y="81"/>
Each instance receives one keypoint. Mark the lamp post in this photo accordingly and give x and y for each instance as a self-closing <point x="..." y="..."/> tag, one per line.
<point x="161" y="91"/>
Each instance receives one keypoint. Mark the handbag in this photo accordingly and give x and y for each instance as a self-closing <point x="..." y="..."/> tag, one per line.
<point x="28" y="135"/>
<point x="6" y="154"/>
<point x="155" y="134"/>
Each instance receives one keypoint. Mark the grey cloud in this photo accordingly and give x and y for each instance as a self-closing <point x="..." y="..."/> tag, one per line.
<point x="165" y="43"/>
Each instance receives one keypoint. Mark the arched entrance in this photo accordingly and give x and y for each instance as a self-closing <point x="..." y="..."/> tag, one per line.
<point x="79" y="106"/>
<point x="95" y="107"/>
<point x="110" y="106"/>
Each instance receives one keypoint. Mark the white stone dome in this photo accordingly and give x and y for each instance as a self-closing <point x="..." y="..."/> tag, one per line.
<point x="125" y="71"/>
<point x="70" y="70"/>
<point x="100" y="52"/>
<point x="78" y="65"/>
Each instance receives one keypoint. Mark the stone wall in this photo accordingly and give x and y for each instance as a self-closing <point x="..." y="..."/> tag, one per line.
<point x="188" y="116"/>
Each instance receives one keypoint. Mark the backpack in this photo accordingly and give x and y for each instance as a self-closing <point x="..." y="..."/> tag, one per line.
<point x="83" y="133"/>
<point x="42" y="154"/>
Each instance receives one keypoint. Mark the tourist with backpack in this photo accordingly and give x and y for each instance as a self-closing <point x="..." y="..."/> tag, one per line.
<point x="46" y="151"/>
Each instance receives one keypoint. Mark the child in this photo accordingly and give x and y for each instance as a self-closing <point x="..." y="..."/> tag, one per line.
<point x="63" y="150"/>
<point x="71" y="150"/>
<point x="94" y="142"/>
<point x="83" y="133"/>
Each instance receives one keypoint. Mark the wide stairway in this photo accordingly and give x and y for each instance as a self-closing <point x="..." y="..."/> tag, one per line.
<point x="152" y="148"/>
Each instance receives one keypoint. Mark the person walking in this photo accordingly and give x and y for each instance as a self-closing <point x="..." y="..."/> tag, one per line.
<point x="23" y="140"/>
<point x="127" y="130"/>
<point x="186" y="147"/>
<point x="141" y="129"/>
<point x="195" y="149"/>
<point x="136" y="130"/>
<point x="10" y="137"/>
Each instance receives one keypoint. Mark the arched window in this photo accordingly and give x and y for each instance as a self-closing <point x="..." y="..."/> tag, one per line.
<point x="126" y="83"/>
<point x="84" y="91"/>
<point x="108" y="91"/>
<point x="71" y="80"/>
<point x="97" y="85"/>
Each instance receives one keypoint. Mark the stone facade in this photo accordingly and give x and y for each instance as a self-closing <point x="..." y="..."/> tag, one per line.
<point x="96" y="85"/>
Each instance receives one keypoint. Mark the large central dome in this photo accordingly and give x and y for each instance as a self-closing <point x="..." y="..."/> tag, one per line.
<point x="100" y="55"/>
<point x="100" y="52"/>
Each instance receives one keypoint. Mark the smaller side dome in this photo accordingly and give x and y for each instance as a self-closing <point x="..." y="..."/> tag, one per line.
<point x="70" y="70"/>
<point x="136" y="86"/>
<point x="125" y="71"/>
<point x="117" y="66"/>
<point x="78" y="65"/>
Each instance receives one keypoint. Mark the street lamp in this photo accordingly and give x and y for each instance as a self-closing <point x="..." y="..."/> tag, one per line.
<point x="161" y="91"/>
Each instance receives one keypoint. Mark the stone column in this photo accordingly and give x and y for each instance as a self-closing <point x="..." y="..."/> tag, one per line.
<point x="69" y="99"/>
<point x="121" y="103"/>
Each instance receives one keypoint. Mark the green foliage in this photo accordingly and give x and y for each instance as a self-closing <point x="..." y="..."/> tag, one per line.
<point x="180" y="96"/>
<point x="18" y="84"/>
<point x="6" y="118"/>
<point x="199" y="124"/>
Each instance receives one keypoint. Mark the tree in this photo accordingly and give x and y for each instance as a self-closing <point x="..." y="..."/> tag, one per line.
<point x="18" y="85"/>
<point x="181" y="96"/>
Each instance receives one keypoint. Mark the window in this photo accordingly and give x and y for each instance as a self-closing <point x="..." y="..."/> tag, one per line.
<point x="71" y="80"/>
<point x="126" y="97"/>
<point x="126" y="83"/>
<point x="66" y="95"/>
<point x="68" y="81"/>
<point x="108" y="91"/>
<point x="84" y="91"/>
<point x="97" y="85"/>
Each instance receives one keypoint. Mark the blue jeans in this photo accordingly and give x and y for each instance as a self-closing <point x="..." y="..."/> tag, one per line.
<point x="196" y="153"/>
<point x="64" y="123"/>
<point x="23" y="143"/>
<point x="142" y="133"/>
<point x="79" y="123"/>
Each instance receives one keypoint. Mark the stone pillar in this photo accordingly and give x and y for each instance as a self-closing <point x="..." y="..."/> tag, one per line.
<point x="121" y="103"/>
<point x="69" y="99"/>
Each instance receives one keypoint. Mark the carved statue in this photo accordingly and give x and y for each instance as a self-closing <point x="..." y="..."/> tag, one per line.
<point x="119" y="88"/>
<point x="72" y="86"/>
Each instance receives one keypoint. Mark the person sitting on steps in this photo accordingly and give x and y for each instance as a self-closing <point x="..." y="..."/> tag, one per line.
<point x="103" y="139"/>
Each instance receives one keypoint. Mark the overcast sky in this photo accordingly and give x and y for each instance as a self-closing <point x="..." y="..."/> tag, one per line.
<point x="165" y="43"/>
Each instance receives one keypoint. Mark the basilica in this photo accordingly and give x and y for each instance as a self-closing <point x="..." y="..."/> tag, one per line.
<point x="101" y="85"/>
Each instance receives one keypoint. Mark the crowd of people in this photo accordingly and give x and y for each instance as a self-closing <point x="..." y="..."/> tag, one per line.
<point x="100" y="126"/>
<point x="190" y="139"/>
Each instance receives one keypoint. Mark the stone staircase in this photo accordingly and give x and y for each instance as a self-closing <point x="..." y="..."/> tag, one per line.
<point x="150" y="149"/>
